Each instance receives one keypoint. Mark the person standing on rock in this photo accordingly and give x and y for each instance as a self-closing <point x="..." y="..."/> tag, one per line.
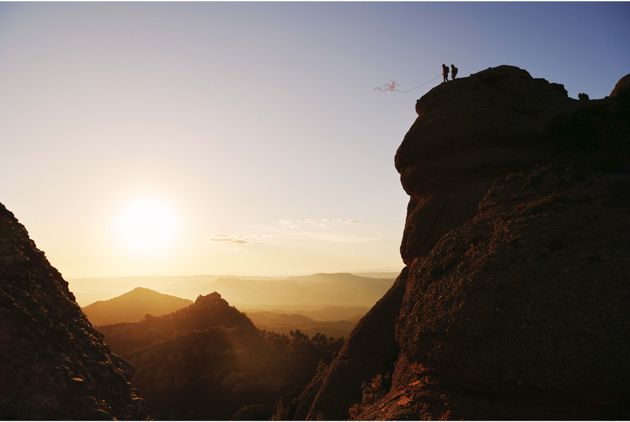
<point x="453" y="72"/>
<point x="445" y="72"/>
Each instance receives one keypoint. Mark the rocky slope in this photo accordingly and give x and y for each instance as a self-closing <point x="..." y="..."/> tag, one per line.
<point x="513" y="301"/>
<point x="53" y="363"/>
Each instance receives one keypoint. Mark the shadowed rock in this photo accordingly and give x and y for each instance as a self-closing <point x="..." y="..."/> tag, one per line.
<point x="54" y="364"/>
<point x="513" y="301"/>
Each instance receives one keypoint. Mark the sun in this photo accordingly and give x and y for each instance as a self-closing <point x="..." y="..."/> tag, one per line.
<point x="147" y="227"/>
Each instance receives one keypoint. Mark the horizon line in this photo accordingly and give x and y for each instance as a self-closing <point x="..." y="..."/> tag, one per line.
<point x="236" y="275"/>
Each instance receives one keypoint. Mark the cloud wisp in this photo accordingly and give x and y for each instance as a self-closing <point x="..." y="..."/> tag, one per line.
<point x="289" y="231"/>
<point x="240" y="240"/>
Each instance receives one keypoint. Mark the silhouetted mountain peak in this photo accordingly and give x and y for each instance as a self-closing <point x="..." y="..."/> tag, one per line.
<point x="212" y="299"/>
<point x="141" y="290"/>
<point x="133" y="306"/>
<point x="208" y="312"/>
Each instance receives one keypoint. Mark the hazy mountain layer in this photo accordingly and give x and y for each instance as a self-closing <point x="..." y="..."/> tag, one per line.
<point x="285" y="323"/>
<point x="315" y="293"/>
<point x="53" y="363"/>
<point x="133" y="306"/>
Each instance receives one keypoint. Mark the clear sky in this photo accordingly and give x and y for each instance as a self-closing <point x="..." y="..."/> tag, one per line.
<point x="247" y="138"/>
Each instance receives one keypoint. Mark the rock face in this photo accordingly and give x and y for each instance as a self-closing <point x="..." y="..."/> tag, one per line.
<point x="622" y="87"/>
<point x="513" y="301"/>
<point x="53" y="363"/>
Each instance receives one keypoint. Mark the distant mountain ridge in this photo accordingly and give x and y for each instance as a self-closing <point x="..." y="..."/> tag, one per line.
<point x="285" y="323"/>
<point x="133" y="306"/>
<point x="141" y="302"/>
<point x="303" y="292"/>
<point x="285" y="294"/>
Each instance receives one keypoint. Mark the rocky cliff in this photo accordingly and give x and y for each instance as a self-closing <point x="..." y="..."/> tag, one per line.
<point x="53" y="363"/>
<point x="513" y="301"/>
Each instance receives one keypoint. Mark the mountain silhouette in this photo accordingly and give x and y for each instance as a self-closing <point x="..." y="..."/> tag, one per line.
<point x="209" y="361"/>
<point x="53" y="363"/>
<point x="513" y="301"/>
<point x="133" y="306"/>
<point x="207" y="312"/>
<point x="324" y="297"/>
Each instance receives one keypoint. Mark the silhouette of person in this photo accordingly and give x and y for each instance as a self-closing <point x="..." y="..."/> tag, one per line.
<point x="453" y="72"/>
<point x="445" y="72"/>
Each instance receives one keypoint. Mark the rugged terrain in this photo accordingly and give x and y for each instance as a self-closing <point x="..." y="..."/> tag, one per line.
<point x="209" y="361"/>
<point x="513" y="301"/>
<point x="53" y="363"/>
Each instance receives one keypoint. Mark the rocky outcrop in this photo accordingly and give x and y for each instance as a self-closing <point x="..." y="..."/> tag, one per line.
<point x="53" y="363"/>
<point x="512" y="304"/>
<point x="207" y="312"/>
<point x="622" y="87"/>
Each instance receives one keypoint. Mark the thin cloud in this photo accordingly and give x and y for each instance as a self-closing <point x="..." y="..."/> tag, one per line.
<point x="240" y="240"/>
<point x="299" y="229"/>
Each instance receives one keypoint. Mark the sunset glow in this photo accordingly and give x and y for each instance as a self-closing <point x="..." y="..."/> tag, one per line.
<point x="241" y="138"/>
<point x="146" y="227"/>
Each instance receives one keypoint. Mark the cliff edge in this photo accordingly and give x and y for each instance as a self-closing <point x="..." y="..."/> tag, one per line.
<point x="54" y="364"/>
<point x="513" y="301"/>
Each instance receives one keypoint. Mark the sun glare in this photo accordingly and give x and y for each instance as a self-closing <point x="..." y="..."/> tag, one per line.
<point x="147" y="227"/>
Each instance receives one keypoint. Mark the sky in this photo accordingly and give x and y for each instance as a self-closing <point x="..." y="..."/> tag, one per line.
<point x="248" y="138"/>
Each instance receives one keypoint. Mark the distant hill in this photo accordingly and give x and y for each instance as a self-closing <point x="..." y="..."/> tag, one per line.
<point x="207" y="312"/>
<point x="208" y="361"/>
<point x="285" y="323"/>
<point x="298" y="294"/>
<point x="133" y="306"/>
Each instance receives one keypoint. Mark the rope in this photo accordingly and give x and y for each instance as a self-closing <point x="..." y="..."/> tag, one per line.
<point x="392" y="86"/>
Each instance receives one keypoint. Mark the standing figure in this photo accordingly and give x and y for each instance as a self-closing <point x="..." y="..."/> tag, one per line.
<point x="453" y="72"/>
<point x="445" y="72"/>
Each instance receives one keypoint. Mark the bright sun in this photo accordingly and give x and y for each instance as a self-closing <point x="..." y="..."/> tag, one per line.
<point x="147" y="227"/>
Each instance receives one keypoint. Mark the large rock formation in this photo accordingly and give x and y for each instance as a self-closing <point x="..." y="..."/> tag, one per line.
<point x="513" y="301"/>
<point x="53" y="363"/>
